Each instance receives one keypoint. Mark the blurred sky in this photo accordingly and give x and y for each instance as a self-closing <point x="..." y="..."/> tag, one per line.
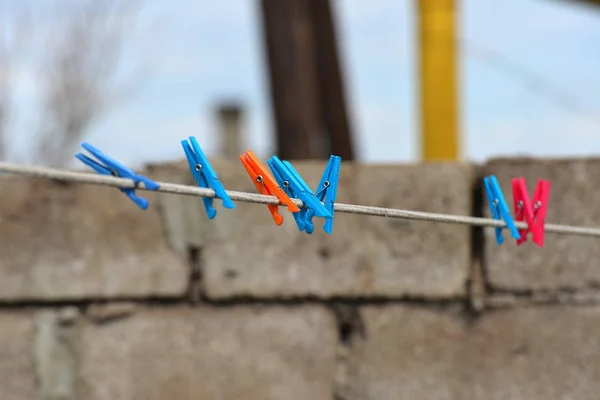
<point x="542" y="98"/>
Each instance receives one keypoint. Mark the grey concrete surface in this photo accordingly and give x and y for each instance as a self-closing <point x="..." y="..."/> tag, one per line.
<point x="61" y="242"/>
<point x="211" y="353"/>
<point x="524" y="353"/>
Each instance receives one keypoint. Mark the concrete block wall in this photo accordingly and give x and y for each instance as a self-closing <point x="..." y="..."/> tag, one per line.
<point x="100" y="300"/>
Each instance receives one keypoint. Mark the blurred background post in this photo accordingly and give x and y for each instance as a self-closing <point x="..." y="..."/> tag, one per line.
<point x="307" y="94"/>
<point x="230" y="118"/>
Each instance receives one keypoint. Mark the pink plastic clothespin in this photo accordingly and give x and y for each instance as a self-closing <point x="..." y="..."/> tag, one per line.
<point x="532" y="211"/>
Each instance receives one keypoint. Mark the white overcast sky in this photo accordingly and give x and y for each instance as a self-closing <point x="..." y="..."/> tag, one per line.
<point x="529" y="80"/>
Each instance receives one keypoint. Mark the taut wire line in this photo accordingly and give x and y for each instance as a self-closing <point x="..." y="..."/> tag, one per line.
<point x="165" y="187"/>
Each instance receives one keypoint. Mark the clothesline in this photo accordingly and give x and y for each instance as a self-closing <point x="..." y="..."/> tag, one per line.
<point x="166" y="187"/>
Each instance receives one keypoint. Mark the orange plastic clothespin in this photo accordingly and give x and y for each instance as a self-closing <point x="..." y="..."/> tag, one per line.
<point x="266" y="184"/>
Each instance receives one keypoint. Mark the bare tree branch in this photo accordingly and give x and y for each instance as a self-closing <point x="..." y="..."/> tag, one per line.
<point x="79" y="74"/>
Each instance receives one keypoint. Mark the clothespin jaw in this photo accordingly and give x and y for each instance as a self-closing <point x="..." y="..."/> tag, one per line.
<point x="327" y="190"/>
<point x="115" y="168"/>
<point x="541" y="197"/>
<point x="300" y="215"/>
<point x="522" y="207"/>
<point x="533" y="212"/>
<point x="289" y="179"/>
<point x="499" y="208"/>
<point x="266" y="184"/>
<point x="304" y="191"/>
<point x="205" y="176"/>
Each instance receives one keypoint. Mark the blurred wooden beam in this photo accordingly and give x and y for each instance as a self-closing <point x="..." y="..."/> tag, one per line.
<point x="307" y="90"/>
<point x="591" y="3"/>
<point x="333" y="94"/>
<point x="438" y="79"/>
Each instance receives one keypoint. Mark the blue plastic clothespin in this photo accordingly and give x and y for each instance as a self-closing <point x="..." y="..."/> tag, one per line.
<point x="205" y="176"/>
<point x="299" y="216"/>
<point x="498" y="207"/>
<point x="327" y="190"/>
<point x="114" y="168"/>
<point x="289" y="179"/>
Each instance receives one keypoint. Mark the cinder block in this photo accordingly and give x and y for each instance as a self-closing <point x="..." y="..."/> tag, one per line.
<point x="245" y="254"/>
<point x="565" y="262"/>
<point x="517" y="354"/>
<point x="56" y="353"/>
<point x="410" y="258"/>
<point x="211" y="353"/>
<point x="17" y="370"/>
<point x="72" y="241"/>
<point x="183" y="217"/>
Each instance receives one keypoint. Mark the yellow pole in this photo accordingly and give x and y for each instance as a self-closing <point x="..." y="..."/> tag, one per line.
<point x="438" y="74"/>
